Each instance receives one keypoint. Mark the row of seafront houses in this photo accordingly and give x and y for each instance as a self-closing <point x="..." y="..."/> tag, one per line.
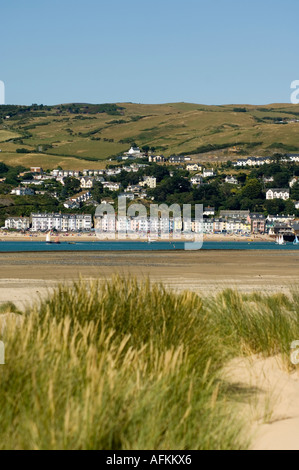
<point x="259" y="161"/>
<point x="237" y="222"/>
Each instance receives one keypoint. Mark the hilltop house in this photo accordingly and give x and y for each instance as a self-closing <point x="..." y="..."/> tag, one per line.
<point x="149" y="181"/>
<point x="231" y="180"/>
<point x="268" y="179"/>
<point x="208" y="173"/>
<point x="156" y="158"/>
<point x="36" y="169"/>
<point x="111" y="186"/>
<point x="178" y="159"/>
<point x="278" y="193"/>
<point x="193" y="167"/>
<point x="87" y="182"/>
<point x="196" y="180"/>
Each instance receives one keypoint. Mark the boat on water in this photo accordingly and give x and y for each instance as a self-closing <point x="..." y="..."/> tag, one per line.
<point x="286" y="232"/>
<point x="280" y="240"/>
<point x="296" y="241"/>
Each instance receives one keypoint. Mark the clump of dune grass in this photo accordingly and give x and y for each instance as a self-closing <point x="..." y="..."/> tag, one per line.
<point x="115" y="365"/>
<point x="8" y="307"/>
<point x="123" y="364"/>
<point x="256" y="323"/>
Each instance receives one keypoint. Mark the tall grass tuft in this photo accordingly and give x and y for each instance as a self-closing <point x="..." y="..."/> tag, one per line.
<point x="126" y="365"/>
<point x="115" y="365"/>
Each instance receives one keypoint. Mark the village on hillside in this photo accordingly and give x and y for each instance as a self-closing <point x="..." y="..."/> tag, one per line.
<point x="253" y="195"/>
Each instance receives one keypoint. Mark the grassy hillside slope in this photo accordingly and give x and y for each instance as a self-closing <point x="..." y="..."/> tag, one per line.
<point x="78" y="135"/>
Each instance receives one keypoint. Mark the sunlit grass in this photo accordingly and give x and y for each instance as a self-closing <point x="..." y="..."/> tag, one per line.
<point x="129" y="365"/>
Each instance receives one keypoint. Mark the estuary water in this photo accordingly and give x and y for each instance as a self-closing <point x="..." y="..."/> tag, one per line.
<point x="34" y="246"/>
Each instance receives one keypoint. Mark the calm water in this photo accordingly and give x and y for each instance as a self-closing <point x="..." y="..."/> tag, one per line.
<point x="9" y="246"/>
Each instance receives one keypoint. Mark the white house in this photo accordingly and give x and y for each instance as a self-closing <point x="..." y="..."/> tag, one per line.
<point x="208" y="173"/>
<point x="87" y="182"/>
<point x="193" y="167"/>
<point x="111" y="186"/>
<point x="231" y="180"/>
<point x="278" y="193"/>
<point x="209" y="211"/>
<point x="17" y="223"/>
<point x="196" y="180"/>
<point x="149" y="181"/>
<point x="268" y="179"/>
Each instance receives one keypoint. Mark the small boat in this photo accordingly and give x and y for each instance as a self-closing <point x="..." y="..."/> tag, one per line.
<point x="296" y="241"/>
<point x="48" y="238"/>
<point x="280" y="240"/>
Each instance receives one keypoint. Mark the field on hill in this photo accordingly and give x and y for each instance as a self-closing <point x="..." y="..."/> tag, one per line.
<point x="78" y="135"/>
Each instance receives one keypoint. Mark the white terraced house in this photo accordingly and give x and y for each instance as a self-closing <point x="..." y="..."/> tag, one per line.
<point x="111" y="186"/>
<point x="208" y="225"/>
<point x="66" y="173"/>
<point x="76" y="200"/>
<point x="17" y="223"/>
<point x="93" y="172"/>
<point x="209" y="211"/>
<point x="278" y="193"/>
<point x="61" y="222"/>
<point x="193" y="167"/>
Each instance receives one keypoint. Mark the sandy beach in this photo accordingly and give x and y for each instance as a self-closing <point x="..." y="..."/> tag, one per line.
<point x="23" y="275"/>
<point x="26" y="277"/>
<point x="92" y="236"/>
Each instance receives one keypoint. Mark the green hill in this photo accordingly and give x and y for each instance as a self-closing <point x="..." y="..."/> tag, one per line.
<point x="80" y="135"/>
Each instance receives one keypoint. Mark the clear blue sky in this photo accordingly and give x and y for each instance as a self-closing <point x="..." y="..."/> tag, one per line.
<point x="149" y="51"/>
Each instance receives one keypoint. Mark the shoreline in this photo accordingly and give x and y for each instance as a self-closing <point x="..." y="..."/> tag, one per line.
<point x="5" y="236"/>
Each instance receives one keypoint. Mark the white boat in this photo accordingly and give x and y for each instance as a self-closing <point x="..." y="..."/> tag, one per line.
<point x="151" y="240"/>
<point x="280" y="240"/>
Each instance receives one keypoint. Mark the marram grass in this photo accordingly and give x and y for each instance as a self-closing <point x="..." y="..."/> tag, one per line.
<point x="128" y="365"/>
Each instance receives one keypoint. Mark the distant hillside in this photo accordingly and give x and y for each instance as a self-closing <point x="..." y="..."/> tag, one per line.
<point x="80" y="135"/>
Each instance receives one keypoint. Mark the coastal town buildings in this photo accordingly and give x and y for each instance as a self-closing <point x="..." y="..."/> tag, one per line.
<point x="61" y="222"/>
<point x="17" y="223"/>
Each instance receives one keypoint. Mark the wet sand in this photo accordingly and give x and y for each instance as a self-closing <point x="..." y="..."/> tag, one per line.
<point x="23" y="275"/>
